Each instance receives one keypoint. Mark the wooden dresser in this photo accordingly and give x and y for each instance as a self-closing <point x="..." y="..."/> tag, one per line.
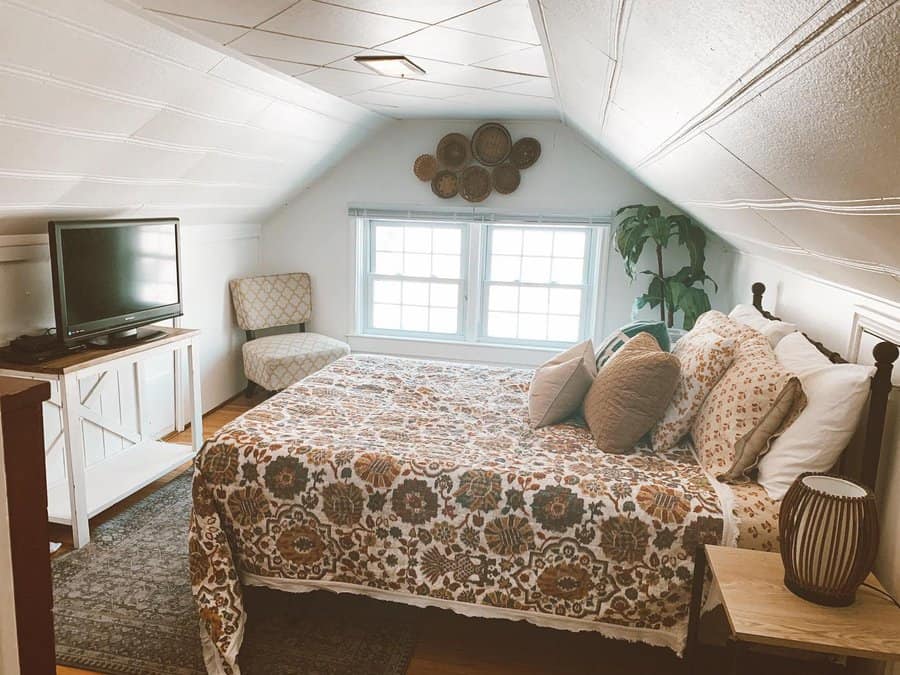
<point x="21" y="423"/>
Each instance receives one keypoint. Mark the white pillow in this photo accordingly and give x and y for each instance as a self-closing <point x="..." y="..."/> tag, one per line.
<point x="836" y="395"/>
<point x="773" y="330"/>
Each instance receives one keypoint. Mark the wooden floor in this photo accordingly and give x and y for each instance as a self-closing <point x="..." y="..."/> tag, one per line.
<point x="450" y="644"/>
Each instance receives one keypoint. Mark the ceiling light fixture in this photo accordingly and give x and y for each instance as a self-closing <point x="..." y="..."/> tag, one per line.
<point x="392" y="66"/>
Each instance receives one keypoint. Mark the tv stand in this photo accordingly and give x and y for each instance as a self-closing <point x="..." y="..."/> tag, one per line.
<point x="77" y="383"/>
<point x="124" y="338"/>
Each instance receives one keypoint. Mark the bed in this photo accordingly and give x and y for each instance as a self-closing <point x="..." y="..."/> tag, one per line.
<point x="422" y="482"/>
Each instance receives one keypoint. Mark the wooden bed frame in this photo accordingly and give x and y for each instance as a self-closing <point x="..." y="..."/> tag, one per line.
<point x="865" y="468"/>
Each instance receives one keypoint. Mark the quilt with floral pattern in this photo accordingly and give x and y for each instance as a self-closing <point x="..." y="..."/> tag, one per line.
<point x="423" y="482"/>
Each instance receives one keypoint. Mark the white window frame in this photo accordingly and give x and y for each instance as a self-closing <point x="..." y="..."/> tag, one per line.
<point x="370" y="276"/>
<point x="588" y="285"/>
<point x="474" y="261"/>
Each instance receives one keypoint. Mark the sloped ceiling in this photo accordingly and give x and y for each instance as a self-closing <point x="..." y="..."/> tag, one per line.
<point x="774" y="123"/>
<point x="104" y="113"/>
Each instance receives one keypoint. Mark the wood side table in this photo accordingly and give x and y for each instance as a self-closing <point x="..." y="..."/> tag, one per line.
<point x="761" y="610"/>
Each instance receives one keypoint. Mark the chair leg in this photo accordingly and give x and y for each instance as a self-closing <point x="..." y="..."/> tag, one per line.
<point x="250" y="390"/>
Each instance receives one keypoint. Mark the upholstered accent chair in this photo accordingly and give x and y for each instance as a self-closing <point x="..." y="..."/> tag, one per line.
<point x="273" y="301"/>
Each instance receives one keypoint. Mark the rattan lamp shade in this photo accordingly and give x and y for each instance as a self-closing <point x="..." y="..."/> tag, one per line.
<point x="828" y="528"/>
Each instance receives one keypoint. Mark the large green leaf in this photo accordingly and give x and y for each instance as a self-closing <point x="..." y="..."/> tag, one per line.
<point x="693" y="302"/>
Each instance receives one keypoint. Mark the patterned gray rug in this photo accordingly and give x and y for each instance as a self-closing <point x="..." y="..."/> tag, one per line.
<point x="123" y="605"/>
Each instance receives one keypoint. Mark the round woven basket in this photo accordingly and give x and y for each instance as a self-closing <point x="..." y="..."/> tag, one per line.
<point x="828" y="530"/>
<point x="525" y="152"/>
<point x="475" y="184"/>
<point x="453" y="151"/>
<point x="505" y="178"/>
<point x="491" y="144"/>
<point x="425" y="167"/>
<point x="445" y="184"/>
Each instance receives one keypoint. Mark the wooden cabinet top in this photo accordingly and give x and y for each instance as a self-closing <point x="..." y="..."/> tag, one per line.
<point x="92" y="355"/>
<point x="17" y="393"/>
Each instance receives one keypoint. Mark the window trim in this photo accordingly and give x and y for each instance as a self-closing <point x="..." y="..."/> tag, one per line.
<point x="473" y="303"/>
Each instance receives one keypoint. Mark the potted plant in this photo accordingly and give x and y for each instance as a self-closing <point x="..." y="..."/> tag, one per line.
<point x="682" y="291"/>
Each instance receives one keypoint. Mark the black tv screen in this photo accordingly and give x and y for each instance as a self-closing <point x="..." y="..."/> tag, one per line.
<point x="113" y="276"/>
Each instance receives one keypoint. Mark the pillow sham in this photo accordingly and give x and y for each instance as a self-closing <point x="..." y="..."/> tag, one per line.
<point x="750" y="405"/>
<point x="614" y="341"/>
<point x="704" y="358"/>
<point x="630" y="393"/>
<point x="774" y="330"/>
<point x="837" y="394"/>
<point x="559" y="385"/>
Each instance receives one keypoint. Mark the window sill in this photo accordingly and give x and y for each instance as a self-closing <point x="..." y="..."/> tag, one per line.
<point x="451" y="350"/>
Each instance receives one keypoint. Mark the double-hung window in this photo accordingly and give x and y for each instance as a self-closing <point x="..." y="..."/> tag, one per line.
<point x="477" y="279"/>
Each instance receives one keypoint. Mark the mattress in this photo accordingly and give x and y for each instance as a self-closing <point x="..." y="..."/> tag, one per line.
<point x="422" y="482"/>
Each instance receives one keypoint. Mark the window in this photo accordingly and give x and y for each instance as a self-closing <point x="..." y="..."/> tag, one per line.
<point x="469" y="280"/>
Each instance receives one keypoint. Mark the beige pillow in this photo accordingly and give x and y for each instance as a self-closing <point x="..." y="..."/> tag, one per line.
<point x="752" y="403"/>
<point x="704" y="358"/>
<point x="559" y="385"/>
<point x="630" y="394"/>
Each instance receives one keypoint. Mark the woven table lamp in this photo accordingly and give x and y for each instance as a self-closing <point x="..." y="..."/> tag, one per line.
<point x="829" y="537"/>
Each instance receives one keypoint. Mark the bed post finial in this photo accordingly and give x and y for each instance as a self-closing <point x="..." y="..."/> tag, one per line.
<point x="758" y="289"/>
<point x="885" y="354"/>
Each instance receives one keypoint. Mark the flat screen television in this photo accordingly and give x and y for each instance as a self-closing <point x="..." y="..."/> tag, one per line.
<point x="110" y="277"/>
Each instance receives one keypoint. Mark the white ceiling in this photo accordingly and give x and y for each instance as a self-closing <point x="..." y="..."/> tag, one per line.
<point x="104" y="113"/>
<point x="775" y="123"/>
<point x="482" y="58"/>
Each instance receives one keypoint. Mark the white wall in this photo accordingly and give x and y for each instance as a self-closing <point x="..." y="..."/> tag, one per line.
<point x="825" y="312"/>
<point x="314" y="234"/>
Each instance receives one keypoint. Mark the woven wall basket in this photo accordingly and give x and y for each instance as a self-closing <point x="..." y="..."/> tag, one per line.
<point x="829" y="538"/>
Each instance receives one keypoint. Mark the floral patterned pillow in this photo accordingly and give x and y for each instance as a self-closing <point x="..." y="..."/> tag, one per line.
<point x="704" y="357"/>
<point x="743" y="402"/>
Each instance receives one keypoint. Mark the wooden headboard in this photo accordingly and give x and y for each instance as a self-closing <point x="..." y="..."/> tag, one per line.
<point x="885" y="354"/>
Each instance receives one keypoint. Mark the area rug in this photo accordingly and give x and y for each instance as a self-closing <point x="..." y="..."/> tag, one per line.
<point x="123" y="605"/>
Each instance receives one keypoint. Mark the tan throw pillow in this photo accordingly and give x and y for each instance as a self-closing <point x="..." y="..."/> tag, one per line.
<point x="752" y="403"/>
<point x="559" y="385"/>
<point x="630" y="394"/>
<point x="704" y="358"/>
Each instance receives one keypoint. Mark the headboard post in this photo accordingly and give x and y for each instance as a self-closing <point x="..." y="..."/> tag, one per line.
<point x="758" y="289"/>
<point x="885" y="354"/>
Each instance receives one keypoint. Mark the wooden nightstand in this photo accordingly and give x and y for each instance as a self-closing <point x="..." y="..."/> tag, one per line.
<point x="762" y="611"/>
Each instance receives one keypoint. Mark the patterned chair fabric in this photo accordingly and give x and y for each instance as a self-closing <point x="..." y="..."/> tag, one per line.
<point x="277" y="361"/>
<point x="272" y="300"/>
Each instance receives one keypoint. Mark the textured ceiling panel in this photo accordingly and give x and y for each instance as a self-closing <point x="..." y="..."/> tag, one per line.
<point x="490" y="48"/>
<point x="125" y="117"/>
<point x="775" y="123"/>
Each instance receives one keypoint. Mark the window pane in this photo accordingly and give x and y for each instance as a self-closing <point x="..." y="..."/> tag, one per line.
<point x="388" y="238"/>
<point x="538" y="242"/>
<point x="414" y="318"/>
<point x="568" y="244"/>
<point x="442" y="320"/>
<point x="503" y="299"/>
<point x="447" y="240"/>
<point x="536" y="270"/>
<point x="502" y="324"/>
<point x="418" y="240"/>
<point x="445" y="295"/>
<point x="565" y="301"/>
<point x="506" y="241"/>
<point x="386" y="316"/>
<point x="567" y="271"/>
<point x="416" y="264"/>
<point x="505" y="268"/>
<point x="532" y="326"/>
<point x="386" y="291"/>
<point x="388" y="263"/>
<point x="445" y="266"/>
<point x="563" y="328"/>
<point x="415" y="293"/>
<point x="534" y="299"/>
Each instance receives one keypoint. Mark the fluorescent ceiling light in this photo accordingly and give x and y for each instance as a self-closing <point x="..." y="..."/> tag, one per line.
<point x="392" y="66"/>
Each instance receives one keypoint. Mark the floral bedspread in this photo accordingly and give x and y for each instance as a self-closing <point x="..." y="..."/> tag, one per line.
<point x="423" y="482"/>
